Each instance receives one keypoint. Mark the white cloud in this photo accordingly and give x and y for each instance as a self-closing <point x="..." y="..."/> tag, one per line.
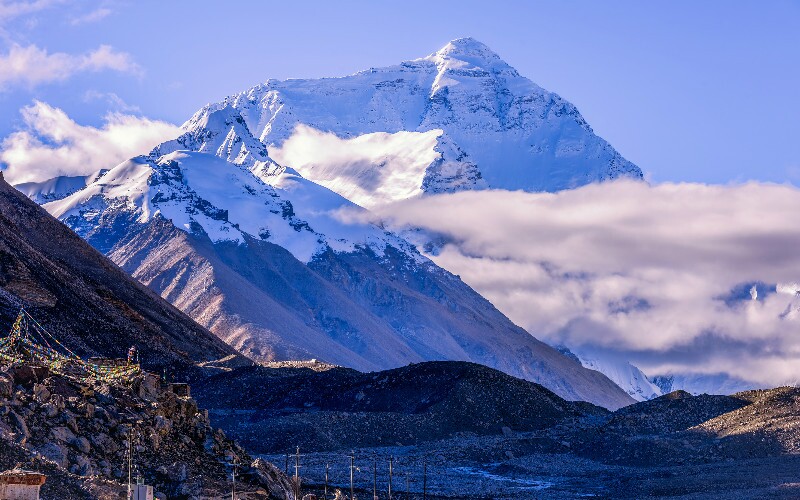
<point x="10" y="10"/>
<point x="31" y="66"/>
<point x="91" y="17"/>
<point x="52" y="144"/>
<point x="634" y="269"/>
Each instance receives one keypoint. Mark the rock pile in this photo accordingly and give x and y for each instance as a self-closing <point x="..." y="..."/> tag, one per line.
<point x="86" y="429"/>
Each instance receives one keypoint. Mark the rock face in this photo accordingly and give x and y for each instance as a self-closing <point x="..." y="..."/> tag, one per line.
<point x="335" y="408"/>
<point x="84" y="428"/>
<point x="84" y="298"/>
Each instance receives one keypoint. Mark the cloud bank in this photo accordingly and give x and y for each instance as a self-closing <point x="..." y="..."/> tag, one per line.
<point x="30" y="66"/>
<point x="660" y="275"/>
<point x="52" y="144"/>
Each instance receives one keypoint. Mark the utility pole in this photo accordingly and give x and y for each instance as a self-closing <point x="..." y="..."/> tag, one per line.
<point x="233" y="492"/>
<point x="130" y="463"/>
<point x="297" y="473"/>
<point x="327" y="466"/>
<point x="352" y="466"/>
<point x="391" y="459"/>
<point x="374" y="478"/>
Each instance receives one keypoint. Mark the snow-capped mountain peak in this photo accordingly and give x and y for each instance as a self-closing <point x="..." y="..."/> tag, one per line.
<point x="345" y="133"/>
<point x="222" y="132"/>
<point x="469" y="57"/>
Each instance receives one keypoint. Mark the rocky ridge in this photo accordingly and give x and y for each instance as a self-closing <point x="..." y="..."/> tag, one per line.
<point x="329" y="408"/>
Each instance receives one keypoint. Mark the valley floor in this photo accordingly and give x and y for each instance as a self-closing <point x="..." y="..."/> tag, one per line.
<point x="486" y="468"/>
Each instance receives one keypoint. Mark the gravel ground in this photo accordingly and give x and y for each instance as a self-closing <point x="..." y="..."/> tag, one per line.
<point x="485" y="467"/>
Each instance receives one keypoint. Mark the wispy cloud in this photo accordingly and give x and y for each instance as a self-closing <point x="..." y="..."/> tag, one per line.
<point x="53" y="144"/>
<point x="645" y="271"/>
<point x="11" y="9"/>
<point x="30" y="66"/>
<point x="91" y="17"/>
<point x="115" y="102"/>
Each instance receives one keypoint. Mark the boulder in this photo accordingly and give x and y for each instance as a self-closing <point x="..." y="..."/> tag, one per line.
<point x="162" y="424"/>
<point x="55" y="452"/>
<point x="20" y="427"/>
<point x="49" y="410"/>
<point x="81" y="444"/>
<point x="62" y="434"/>
<point x="6" y="386"/>
<point x="40" y="393"/>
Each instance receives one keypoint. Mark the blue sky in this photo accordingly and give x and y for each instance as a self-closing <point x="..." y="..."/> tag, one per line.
<point x="690" y="91"/>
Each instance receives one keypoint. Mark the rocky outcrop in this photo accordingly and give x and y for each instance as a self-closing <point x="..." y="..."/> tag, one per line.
<point x="85" y="430"/>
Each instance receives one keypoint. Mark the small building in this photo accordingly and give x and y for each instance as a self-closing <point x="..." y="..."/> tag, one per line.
<point x="20" y="484"/>
<point x="143" y="492"/>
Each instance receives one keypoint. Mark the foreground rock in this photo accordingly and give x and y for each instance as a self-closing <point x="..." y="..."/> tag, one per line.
<point x="80" y="433"/>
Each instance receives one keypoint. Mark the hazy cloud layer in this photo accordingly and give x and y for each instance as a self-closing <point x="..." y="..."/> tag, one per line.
<point x="30" y="65"/>
<point x="52" y="144"/>
<point x="643" y="271"/>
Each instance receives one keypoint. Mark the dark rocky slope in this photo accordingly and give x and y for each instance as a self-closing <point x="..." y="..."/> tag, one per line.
<point x="84" y="299"/>
<point x="275" y="409"/>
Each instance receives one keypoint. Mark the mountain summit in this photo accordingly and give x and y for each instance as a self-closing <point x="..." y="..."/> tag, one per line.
<point x="460" y="118"/>
<point x="466" y="52"/>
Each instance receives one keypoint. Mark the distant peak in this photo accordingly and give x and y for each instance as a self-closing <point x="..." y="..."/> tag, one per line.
<point x="468" y="48"/>
<point x="468" y="51"/>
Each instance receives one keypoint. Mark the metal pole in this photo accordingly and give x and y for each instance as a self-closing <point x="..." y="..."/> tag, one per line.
<point x="326" y="481"/>
<point x="130" y="461"/>
<point x="297" y="473"/>
<point x="390" y="477"/>
<point x="375" y="478"/>
<point x="352" y="464"/>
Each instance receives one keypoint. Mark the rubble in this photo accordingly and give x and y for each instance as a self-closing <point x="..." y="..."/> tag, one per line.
<point x="84" y="430"/>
